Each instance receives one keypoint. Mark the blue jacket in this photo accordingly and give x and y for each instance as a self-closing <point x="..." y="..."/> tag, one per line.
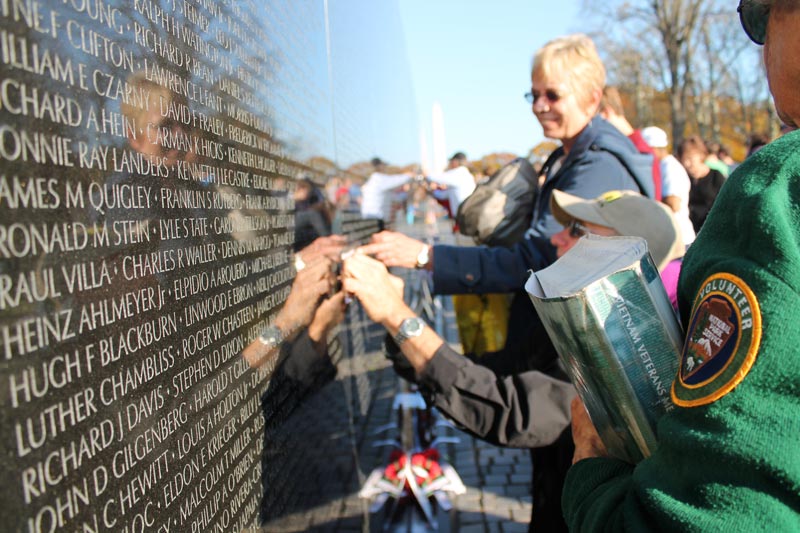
<point x="601" y="160"/>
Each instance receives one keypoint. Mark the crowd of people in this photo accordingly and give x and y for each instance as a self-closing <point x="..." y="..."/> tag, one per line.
<point x="726" y="240"/>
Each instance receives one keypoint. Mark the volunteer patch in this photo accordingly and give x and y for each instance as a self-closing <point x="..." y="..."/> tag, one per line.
<point x="722" y="341"/>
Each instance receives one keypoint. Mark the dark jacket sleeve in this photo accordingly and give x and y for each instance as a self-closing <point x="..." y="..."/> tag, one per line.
<point x="304" y="362"/>
<point x="481" y="270"/>
<point x="526" y="410"/>
<point x="460" y="270"/>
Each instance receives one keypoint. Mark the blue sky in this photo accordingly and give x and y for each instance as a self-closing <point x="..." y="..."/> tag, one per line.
<point x="473" y="57"/>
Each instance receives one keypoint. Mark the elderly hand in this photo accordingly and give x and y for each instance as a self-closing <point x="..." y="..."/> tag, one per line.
<point x="394" y="249"/>
<point x="329" y="313"/>
<point x="309" y="286"/>
<point x="298" y="310"/>
<point x="330" y="247"/>
<point x="375" y="288"/>
<point x="587" y="440"/>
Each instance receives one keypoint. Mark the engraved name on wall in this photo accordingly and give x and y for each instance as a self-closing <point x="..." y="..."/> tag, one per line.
<point x="146" y="229"/>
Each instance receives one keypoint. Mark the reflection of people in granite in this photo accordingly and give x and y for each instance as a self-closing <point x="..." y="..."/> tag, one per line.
<point x="147" y="136"/>
<point x="133" y="314"/>
<point x="151" y="128"/>
<point x="293" y="353"/>
<point x="294" y="323"/>
<point x="312" y="217"/>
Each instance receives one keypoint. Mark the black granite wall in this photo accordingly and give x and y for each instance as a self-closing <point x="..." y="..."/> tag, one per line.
<point x="149" y="153"/>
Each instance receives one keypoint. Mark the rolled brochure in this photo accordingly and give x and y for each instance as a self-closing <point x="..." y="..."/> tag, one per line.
<point x="617" y="335"/>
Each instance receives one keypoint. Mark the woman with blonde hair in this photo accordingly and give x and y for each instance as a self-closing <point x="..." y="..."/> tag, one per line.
<point x="567" y="80"/>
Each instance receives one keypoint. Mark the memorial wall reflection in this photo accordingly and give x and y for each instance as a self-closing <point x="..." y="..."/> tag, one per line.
<point x="151" y="154"/>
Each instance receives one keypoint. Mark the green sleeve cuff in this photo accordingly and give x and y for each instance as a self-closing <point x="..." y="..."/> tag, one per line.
<point x="594" y="492"/>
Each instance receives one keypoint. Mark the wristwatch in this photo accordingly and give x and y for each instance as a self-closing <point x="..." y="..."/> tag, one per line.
<point x="424" y="256"/>
<point x="410" y="327"/>
<point x="271" y="337"/>
<point x="299" y="264"/>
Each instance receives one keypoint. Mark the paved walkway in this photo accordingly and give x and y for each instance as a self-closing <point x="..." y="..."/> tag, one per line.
<point x="498" y="497"/>
<point x="497" y="479"/>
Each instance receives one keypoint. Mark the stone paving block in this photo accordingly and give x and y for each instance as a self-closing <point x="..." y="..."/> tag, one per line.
<point x="490" y="493"/>
<point x="465" y="449"/>
<point x="472" y="480"/>
<point x="466" y="456"/>
<point x="472" y="491"/>
<point x="509" y="459"/>
<point x="485" y="447"/>
<point x="472" y="528"/>
<point x="499" y="470"/>
<point x="489" y="453"/>
<point x="515" y="527"/>
<point x="500" y="512"/>
<point x="520" y="478"/>
<point x="523" y="468"/>
<point x="521" y="513"/>
<point x="468" y="499"/>
<point x="496" y="515"/>
<point x="467" y="518"/>
<point x="519" y="503"/>
<point x="495" y="480"/>
<point x="495" y="527"/>
<point x="467" y="470"/>
<point x="470" y="506"/>
<point x="517" y="490"/>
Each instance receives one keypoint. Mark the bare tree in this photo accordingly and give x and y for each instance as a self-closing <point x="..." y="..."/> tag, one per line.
<point x="721" y="47"/>
<point x="691" y="53"/>
<point x="669" y="28"/>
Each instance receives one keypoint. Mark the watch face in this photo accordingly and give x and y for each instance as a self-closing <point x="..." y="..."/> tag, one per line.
<point x="271" y="336"/>
<point x="422" y="258"/>
<point x="412" y="327"/>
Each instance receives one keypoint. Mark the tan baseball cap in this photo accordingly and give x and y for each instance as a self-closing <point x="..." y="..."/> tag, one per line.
<point x="629" y="214"/>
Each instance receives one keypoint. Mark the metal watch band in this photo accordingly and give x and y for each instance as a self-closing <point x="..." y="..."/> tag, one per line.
<point x="410" y="327"/>
<point x="271" y="337"/>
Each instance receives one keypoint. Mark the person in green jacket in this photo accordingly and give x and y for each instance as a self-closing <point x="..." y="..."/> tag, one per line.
<point x="728" y="457"/>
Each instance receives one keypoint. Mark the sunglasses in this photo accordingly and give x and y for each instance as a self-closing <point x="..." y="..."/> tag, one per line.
<point x="754" y="16"/>
<point x="551" y="95"/>
<point x="577" y="230"/>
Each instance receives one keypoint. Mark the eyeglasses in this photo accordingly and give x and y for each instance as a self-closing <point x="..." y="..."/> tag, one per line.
<point x="754" y="16"/>
<point x="551" y="95"/>
<point x="577" y="230"/>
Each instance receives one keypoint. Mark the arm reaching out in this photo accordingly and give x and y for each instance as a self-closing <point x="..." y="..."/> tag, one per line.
<point x="395" y="249"/>
<point x="378" y="293"/>
<point x="527" y="410"/>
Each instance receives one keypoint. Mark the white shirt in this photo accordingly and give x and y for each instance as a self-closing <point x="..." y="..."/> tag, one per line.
<point x="375" y="197"/>
<point x="675" y="182"/>
<point x="460" y="184"/>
